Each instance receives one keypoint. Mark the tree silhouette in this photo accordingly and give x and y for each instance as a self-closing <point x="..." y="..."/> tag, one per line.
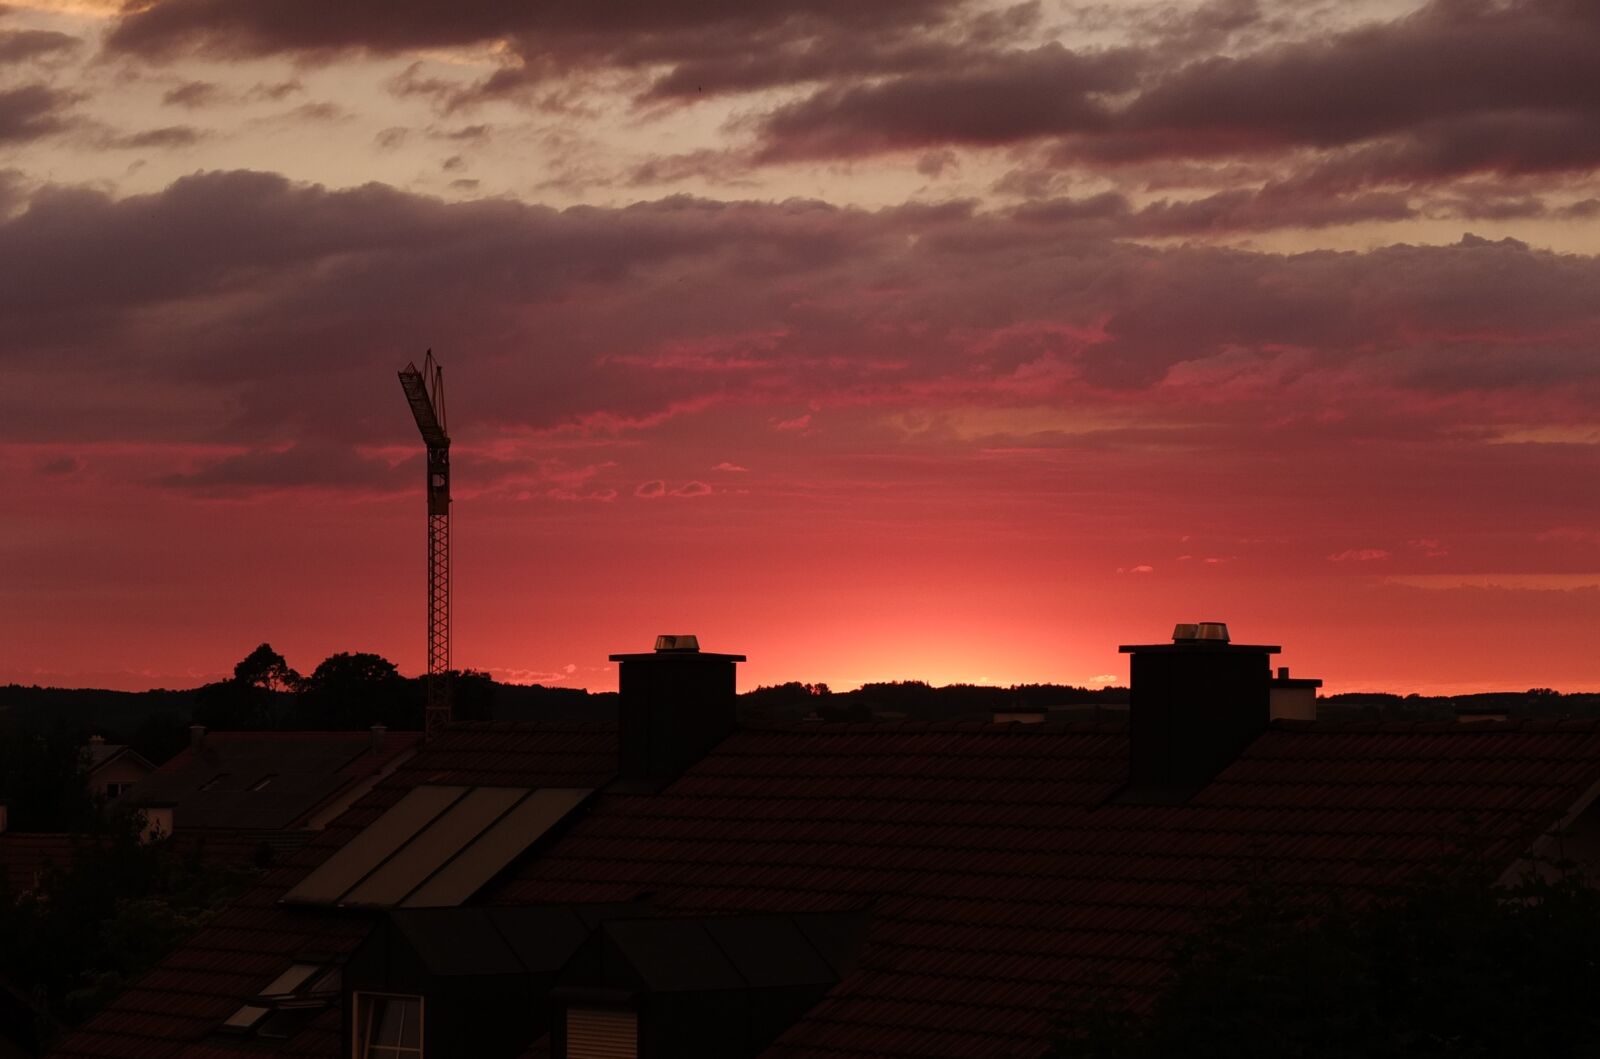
<point x="357" y="689"/>
<point x="254" y="699"/>
<point x="266" y="668"/>
<point x="41" y="776"/>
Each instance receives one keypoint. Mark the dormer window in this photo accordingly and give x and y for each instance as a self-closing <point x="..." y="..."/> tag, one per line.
<point x="388" y="1026"/>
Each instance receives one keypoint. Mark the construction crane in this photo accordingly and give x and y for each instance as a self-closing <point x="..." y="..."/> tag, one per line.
<point x="425" y="390"/>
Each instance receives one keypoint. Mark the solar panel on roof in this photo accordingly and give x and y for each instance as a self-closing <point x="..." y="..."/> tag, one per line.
<point x="436" y="847"/>
<point x="496" y="847"/>
<point x="356" y="859"/>
<point x="430" y="847"/>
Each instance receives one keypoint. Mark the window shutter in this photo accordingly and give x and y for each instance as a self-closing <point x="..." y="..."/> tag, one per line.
<point x="599" y="1033"/>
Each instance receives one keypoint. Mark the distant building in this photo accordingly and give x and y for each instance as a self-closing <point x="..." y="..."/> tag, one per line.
<point x="674" y="885"/>
<point x="110" y="770"/>
<point x="280" y="788"/>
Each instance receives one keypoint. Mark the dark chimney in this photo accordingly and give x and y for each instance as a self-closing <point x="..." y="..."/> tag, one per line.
<point x="677" y="703"/>
<point x="1194" y="704"/>
<point x="197" y="734"/>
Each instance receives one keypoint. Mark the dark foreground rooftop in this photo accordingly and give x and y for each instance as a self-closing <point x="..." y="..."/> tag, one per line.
<point x="994" y="866"/>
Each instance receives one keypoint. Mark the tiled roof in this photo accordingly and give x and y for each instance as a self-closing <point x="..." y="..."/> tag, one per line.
<point x="172" y="1011"/>
<point x="265" y="780"/>
<point x="999" y="869"/>
<point x="98" y="755"/>
<point x="1000" y="874"/>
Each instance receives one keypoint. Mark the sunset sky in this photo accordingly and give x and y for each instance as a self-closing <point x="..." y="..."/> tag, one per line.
<point x="875" y="339"/>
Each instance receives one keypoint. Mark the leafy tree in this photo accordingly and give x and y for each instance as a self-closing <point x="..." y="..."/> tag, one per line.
<point x="355" y="690"/>
<point x="471" y="695"/>
<point x="107" y="917"/>
<point x="1452" y="967"/>
<point x="266" y="669"/>
<point x="42" y="777"/>
<point x="254" y="698"/>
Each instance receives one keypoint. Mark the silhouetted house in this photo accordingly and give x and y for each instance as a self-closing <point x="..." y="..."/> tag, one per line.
<point x="1293" y="698"/>
<point x="675" y="886"/>
<point x="277" y="788"/>
<point x="110" y="769"/>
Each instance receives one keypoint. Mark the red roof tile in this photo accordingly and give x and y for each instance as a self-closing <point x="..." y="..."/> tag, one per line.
<point x="998" y="869"/>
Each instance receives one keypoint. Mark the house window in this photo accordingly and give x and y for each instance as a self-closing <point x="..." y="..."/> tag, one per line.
<point x="305" y="986"/>
<point x="602" y="1033"/>
<point x="388" y="1027"/>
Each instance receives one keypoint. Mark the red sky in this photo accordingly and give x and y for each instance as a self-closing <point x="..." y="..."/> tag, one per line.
<point x="907" y="339"/>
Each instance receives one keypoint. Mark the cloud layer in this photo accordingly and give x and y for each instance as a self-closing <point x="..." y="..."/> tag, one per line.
<point x="848" y="327"/>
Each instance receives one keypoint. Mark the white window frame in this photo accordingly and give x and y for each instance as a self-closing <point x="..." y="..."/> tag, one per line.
<point x="361" y="1019"/>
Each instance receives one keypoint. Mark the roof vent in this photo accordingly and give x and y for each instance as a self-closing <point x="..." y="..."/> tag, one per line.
<point x="1202" y="632"/>
<point x="678" y="643"/>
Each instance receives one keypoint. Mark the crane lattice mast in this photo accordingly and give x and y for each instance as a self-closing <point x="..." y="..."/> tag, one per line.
<point x="425" y="390"/>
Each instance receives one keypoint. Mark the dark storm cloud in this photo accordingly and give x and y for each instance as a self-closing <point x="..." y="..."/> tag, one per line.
<point x="1111" y="215"/>
<point x="296" y="467"/>
<point x="286" y="302"/>
<point x="1457" y="87"/>
<point x="32" y="112"/>
<point x="258" y="27"/>
<point x="1013" y="96"/>
<point x="168" y="136"/>
<point x="58" y="467"/>
<point x="21" y="45"/>
<point x="1452" y="59"/>
<point x="1460" y="86"/>
<point x="714" y="44"/>
<point x="195" y="94"/>
<point x="1428" y="317"/>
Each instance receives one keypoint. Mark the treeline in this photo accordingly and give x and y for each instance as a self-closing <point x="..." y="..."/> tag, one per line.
<point x="347" y="690"/>
<point x="916" y="700"/>
<point x="1533" y="703"/>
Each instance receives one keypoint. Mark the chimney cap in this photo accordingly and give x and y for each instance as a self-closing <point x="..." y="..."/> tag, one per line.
<point x="677" y="642"/>
<point x="1200" y="632"/>
<point x="1199" y="636"/>
<point x="681" y="647"/>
